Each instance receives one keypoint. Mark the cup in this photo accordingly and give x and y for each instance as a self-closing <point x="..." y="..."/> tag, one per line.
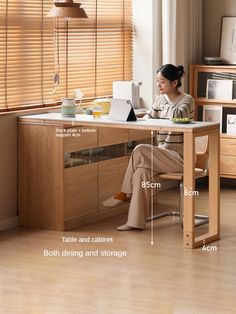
<point x="105" y="103"/>
<point x="97" y="112"/>
<point x="68" y="107"/>
<point x="88" y="111"/>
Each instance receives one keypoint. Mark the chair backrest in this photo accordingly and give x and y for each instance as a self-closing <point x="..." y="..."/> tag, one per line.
<point x="201" y="165"/>
<point x="201" y="148"/>
<point x="201" y="144"/>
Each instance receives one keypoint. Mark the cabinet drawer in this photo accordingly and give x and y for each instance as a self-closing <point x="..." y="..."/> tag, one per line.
<point x="110" y="136"/>
<point x="135" y="135"/>
<point x="81" y="138"/>
<point x="228" y="146"/>
<point x="228" y="164"/>
<point x="110" y="177"/>
<point x="80" y="191"/>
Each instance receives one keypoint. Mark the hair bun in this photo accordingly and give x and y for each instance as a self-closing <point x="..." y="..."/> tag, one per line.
<point x="180" y="70"/>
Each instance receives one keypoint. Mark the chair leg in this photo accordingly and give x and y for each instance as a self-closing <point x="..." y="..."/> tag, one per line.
<point x="203" y="219"/>
<point x="166" y="214"/>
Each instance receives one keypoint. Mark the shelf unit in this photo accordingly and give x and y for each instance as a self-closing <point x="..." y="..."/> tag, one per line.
<point x="199" y="74"/>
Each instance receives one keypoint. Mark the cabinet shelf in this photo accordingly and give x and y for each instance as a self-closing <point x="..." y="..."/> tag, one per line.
<point x="223" y="102"/>
<point x="199" y="75"/>
<point x="224" y="135"/>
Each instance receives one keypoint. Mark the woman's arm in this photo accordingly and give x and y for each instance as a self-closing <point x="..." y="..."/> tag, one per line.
<point x="183" y="110"/>
<point x="155" y="111"/>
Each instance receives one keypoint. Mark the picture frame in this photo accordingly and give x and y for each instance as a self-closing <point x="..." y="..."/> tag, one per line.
<point x="228" y="39"/>
<point x="213" y="113"/>
<point x="231" y="124"/>
<point x="219" y="89"/>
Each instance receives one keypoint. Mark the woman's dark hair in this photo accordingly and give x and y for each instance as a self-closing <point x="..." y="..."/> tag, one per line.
<point x="172" y="72"/>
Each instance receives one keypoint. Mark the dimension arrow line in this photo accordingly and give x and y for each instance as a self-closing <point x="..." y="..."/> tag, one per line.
<point x="152" y="195"/>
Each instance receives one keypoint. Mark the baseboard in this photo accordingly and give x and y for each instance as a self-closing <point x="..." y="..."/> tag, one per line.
<point x="9" y="223"/>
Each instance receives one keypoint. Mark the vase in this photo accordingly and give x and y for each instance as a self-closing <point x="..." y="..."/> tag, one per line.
<point x="68" y="107"/>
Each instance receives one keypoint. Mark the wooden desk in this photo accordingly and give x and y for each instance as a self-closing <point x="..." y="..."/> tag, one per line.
<point x="190" y="131"/>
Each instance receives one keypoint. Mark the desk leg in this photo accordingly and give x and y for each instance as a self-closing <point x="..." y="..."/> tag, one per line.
<point x="214" y="185"/>
<point x="189" y="186"/>
<point x="213" y="193"/>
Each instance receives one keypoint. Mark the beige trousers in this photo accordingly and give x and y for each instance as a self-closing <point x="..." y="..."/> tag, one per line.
<point x="140" y="170"/>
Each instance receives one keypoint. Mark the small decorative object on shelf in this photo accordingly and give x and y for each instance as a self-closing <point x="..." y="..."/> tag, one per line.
<point x="231" y="124"/>
<point x="228" y="39"/>
<point x="220" y="89"/>
<point x="212" y="113"/>
<point x="214" y="61"/>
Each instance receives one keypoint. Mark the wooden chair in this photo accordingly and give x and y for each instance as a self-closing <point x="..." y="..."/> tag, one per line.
<point x="201" y="170"/>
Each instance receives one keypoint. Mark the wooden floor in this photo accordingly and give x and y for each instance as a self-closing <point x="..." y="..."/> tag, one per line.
<point x="159" y="279"/>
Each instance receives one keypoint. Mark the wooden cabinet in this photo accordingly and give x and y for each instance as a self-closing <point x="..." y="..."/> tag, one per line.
<point x="228" y="156"/>
<point x="80" y="191"/>
<point x="78" y="138"/>
<point x="40" y="177"/>
<point x="65" y="173"/>
<point x="107" y="136"/>
<point x="199" y="76"/>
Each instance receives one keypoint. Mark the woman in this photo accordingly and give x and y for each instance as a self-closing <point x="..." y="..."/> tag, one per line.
<point x="167" y="156"/>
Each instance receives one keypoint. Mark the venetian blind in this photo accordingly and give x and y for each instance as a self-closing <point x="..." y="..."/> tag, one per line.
<point x="27" y="59"/>
<point x="33" y="49"/>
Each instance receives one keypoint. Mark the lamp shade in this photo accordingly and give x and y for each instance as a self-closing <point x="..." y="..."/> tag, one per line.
<point x="67" y="9"/>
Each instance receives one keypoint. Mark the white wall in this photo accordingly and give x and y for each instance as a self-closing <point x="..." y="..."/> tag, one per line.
<point x="145" y="48"/>
<point x="213" y="10"/>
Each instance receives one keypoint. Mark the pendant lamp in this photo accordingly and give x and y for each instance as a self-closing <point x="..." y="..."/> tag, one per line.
<point x="67" y="9"/>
